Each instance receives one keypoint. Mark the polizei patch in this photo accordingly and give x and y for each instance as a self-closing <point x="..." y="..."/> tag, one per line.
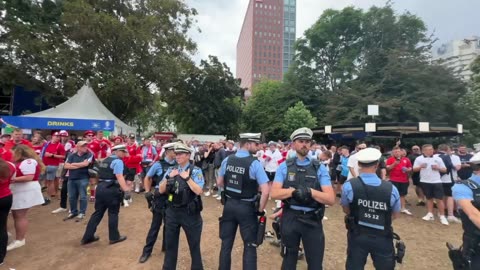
<point x="372" y="204"/>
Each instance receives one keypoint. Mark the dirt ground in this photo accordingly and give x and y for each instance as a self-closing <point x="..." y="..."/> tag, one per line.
<point x="54" y="244"/>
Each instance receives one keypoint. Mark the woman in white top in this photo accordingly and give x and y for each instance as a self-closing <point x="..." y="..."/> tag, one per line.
<point x="26" y="190"/>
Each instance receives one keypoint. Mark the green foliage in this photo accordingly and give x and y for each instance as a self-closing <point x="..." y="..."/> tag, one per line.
<point x="207" y="101"/>
<point x="129" y="50"/>
<point x="296" y="117"/>
<point x="265" y="109"/>
<point x="469" y="105"/>
<point x="351" y="58"/>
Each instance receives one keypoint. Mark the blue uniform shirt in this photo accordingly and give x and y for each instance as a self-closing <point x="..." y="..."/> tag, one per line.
<point x="117" y="165"/>
<point x="463" y="192"/>
<point x="370" y="179"/>
<point x="256" y="170"/>
<point x="322" y="175"/>
<point x="197" y="175"/>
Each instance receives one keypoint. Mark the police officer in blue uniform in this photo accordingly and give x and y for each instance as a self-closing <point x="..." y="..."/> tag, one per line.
<point x="467" y="195"/>
<point x="183" y="184"/>
<point x="111" y="183"/>
<point x="305" y="188"/>
<point x="370" y="205"/>
<point x="157" y="202"/>
<point x="241" y="175"/>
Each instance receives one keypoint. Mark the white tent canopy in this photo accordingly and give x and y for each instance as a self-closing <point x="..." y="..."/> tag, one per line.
<point x="85" y="105"/>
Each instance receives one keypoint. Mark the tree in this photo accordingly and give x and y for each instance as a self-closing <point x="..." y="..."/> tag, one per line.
<point x="469" y="105"/>
<point x="129" y="50"/>
<point x="207" y="101"/>
<point x="296" y="117"/>
<point x="351" y="58"/>
<point x="265" y="109"/>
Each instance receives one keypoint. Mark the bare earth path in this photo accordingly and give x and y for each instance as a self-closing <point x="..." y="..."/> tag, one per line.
<point x="54" y="244"/>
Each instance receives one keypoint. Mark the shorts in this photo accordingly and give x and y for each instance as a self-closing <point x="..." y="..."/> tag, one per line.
<point x="416" y="179"/>
<point x="271" y="176"/>
<point x="402" y="188"/>
<point x="432" y="191"/>
<point x="51" y="173"/>
<point x="447" y="189"/>
<point x="342" y="179"/>
<point x="130" y="174"/>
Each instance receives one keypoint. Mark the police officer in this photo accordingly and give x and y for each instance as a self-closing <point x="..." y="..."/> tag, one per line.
<point x="467" y="195"/>
<point x="157" y="202"/>
<point x="183" y="184"/>
<point x="304" y="186"/>
<point x="111" y="183"/>
<point x="370" y="205"/>
<point x="241" y="175"/>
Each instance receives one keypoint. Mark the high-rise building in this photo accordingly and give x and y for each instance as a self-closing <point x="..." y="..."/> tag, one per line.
<point x="458" y="55"/>
<point x="265" y="46"/>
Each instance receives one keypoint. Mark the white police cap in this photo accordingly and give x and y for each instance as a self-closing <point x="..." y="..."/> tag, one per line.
<point x="302" y="133"/>
<point x="250" y="137"/>
<point x="169" y="146"/>
<point x="119" y="147"/>
<point x="475" y="159"/>
<point x="368" y="155"/>
<point x="182" y="148"/>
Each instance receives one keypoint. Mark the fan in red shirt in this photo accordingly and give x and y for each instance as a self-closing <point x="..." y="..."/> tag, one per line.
<point x="37" y="144"/>
<point x="17" y="138"/>
<point x="132" y="163"/>
<point x="4" y="153"/>
<point x="103" y="146"/>
<point x="53" y="153"/>
<point x="67" y="143"/>
<point x="7" y="171"/>
<point x="399" y="168"/>
<point x="94" y="147"/>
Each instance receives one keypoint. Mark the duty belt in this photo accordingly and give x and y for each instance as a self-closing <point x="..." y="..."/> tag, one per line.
<point x="300" y="212"/>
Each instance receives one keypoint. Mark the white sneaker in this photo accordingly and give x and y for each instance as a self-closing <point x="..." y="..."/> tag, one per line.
<point x="453" y="219"/>
<point x="219" y="198"/>
<point x="444" y="220"/>
<point x="125" y="203"/>
<point x="59" y="210"/>
<point x="406" y="211"/>
<point x="137" y="190"/>
<point x="16" y="244"/>
<point x="325" y="218"/>
<point x="429" y="217"/>
<point x="207" y="193"/>
<point x="80" y="216"/>
<point x="216" y="195"/>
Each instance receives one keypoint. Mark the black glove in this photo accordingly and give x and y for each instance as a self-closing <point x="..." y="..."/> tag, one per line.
<point x="260" y="214"/>
<point x="302" y="194"/>
<point x="170" y="186"/>
<point x="149" y="198"/>
<point x="127" y="196"/>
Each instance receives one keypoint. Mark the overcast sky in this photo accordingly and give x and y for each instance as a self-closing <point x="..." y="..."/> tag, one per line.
<point x="220" y="21"/>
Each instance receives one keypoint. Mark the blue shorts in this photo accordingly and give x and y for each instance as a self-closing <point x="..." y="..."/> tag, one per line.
<point x="51" y="172"/>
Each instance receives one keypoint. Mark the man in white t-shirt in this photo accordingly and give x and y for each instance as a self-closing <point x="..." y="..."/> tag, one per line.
<point x="453" y="164"/>
<point x="272" y="158"/>
<point x="353" y="162"/>
<point x="430" y="167"/>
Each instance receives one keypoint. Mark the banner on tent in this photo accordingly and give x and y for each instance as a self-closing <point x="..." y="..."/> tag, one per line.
<point x="59" y="123"/>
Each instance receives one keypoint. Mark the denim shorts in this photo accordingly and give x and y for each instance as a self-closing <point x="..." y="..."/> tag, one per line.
<point x="51" y="172"/>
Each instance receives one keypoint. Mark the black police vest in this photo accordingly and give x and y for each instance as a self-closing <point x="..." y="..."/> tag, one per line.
<point x="104" y="170"/>
<point x="469" y="228"/>
<point x="238" y="184"/>
<point x="165" y="166"/>
<point x="183" y="195"/>
<point x="302" y="176"/>
<point x="370" y="206"/>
